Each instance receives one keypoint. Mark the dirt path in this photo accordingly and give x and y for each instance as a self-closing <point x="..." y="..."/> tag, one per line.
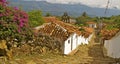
<point x="86" y="54"/>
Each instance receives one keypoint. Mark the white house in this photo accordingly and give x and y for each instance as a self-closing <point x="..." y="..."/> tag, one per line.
<point x="113" y="46"/>
<point x="70" y="36"/>
<point x="91" y="24"/>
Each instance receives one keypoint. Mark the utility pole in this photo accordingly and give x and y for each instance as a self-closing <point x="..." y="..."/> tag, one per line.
<point x="107" y="6"/>
<point x="101" y="21"/>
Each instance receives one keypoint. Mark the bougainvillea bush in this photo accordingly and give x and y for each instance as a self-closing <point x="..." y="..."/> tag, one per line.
<point x="13" y="22"/>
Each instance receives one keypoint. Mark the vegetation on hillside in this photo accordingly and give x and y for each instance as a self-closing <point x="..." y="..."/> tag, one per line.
<point x="35" y="18"/>
<point x="112" y="22"/>
<point x="48" y="14"/>
<point x="81" y="20"/>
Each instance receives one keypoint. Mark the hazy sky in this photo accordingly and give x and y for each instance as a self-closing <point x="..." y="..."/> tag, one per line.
<point x="92" y="3"/>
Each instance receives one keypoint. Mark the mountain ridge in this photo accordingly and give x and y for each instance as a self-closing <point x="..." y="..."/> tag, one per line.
<point x="59" y="9"/>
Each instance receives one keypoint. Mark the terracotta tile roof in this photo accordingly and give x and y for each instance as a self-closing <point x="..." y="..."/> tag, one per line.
<point x="70" y="28"/>
<point x="91" y="22"/>
<point x="61" y="30"/>
<point x="87" y="31"/>
<point x="54" y="30"/>
<point x="108" y="34"/>
<point x="50" y="19"/>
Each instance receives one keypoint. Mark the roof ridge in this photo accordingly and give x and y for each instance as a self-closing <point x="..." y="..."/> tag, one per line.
<point x="61" y="27"/>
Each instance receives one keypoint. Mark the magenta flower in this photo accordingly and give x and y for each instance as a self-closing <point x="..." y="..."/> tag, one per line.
<point x="16" y="8"/>
<point x="3" y="1"/>
<point x="15" y="15"/>
<point x="1" y="15"/>
<point x="21" y="24"/>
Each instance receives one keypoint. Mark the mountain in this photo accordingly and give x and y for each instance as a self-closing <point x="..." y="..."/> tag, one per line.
<point x="59" y="9"/>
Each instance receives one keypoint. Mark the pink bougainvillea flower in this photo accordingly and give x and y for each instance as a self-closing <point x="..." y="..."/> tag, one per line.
<point x="1" y="15"/>
<point x="2" y="0"/>
<point x="21" y="24"/>
<point x="14" y="14"/>
<point x="16" y="8"/>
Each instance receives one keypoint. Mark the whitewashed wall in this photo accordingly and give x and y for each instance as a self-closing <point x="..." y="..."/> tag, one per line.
<point x="74" y="42"/>
<point x="83" y="40"/>
<point x="79" y="40"/>
<point x="67" y="46"/>
<point x="92" y="25"/>
<point x="71" y="45"/>
<point x="113" y="46"/>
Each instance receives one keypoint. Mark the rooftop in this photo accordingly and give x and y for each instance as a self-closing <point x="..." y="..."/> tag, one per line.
<point x="91" y="22"/>
<point x="61" y="30"/>
<point x="108" y="34"/>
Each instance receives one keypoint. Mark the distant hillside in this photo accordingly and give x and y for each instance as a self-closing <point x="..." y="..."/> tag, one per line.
<point x="59" y="9"/>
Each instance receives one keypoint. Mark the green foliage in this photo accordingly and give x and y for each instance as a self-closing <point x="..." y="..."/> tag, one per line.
<point x="35" y="18"/>
<point x="84" y="14"/>
<point x="113" y="21"/>
<point x="81" y="20"/>
<point x="82" y="29"/>
<point x="110" y="27"/>
<point x="80" y="25"/>
<point x="13" y="23"/>
<point x="8" y="30"/>
<point x="48" y="14"/>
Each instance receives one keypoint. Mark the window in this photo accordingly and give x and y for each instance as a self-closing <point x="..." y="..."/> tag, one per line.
<point x="68" y="41"/>
<point x="76" y="36"/>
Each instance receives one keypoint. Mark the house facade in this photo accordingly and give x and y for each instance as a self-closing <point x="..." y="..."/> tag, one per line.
<point x="69" y="35"/>
<point x="74" y="41"/>
<point x="113" y="46"/>
<point x="91" y="24"/>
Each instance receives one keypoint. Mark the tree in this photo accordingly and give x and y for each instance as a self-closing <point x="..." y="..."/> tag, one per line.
<point x="35" y="18"/>
<point x="65" y="17"/>
<point x="84" y="14"/>
<point x="81" y="20"/>
<point x="48" y="14"/>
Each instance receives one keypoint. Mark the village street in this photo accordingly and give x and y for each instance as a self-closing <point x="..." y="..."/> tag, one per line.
<point x="59" y="32"/>
<point x="86" y="54"/>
